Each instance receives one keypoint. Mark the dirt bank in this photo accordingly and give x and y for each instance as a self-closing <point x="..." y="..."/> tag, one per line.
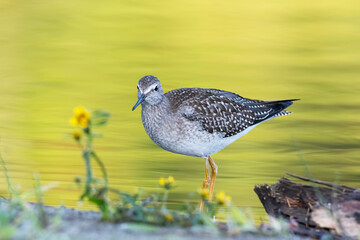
<point x="66" y="223"/>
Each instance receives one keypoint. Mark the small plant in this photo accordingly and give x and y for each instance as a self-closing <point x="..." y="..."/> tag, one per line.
<point x="84" y="136"/>
<point x="167" y="183"/>
<point x="16" y="213"/>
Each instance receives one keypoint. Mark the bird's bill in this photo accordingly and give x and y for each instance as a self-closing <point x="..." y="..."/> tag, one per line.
<point x="140" y="100"/>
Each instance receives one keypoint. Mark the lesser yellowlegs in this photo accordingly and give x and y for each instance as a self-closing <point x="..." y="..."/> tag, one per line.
<point x="200" y="122"/>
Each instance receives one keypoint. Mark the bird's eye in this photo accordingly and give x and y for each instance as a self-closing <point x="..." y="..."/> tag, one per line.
<point x="137" y="87"/>
<point x="156" y="88"/>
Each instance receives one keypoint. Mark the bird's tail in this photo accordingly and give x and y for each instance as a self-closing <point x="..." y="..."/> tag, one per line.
<point x="274" y="109"/>
<point x="280" y="105"/>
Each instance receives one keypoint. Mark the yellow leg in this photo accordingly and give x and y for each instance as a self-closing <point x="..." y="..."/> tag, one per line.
<point x="206" y="181"/>
<point x="214" y="169"/>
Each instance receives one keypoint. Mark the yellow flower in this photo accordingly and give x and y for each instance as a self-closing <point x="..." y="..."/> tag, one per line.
<point x="81" y="117"/>
<point x="170" y="180"/>
<point x="167" y="183"/>
<point x="223" y="199"/>
<point x="77" y="135"/>
<point x="162" y="181"/>
<point x="169" y="217"/>
<point x="204" y="193"/>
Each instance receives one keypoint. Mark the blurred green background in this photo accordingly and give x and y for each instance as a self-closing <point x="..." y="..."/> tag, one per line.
<point x="56" y="55"/>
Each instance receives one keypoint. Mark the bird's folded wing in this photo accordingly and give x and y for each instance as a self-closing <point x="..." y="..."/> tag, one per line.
<point x="224" y="112"/>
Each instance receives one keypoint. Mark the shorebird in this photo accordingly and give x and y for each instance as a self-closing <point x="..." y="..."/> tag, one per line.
<point x="200" y="122"/>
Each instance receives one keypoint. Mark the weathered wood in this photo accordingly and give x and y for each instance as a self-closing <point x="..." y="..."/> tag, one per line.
<point x="319" y="208"/>
<point x="335" y="186"/>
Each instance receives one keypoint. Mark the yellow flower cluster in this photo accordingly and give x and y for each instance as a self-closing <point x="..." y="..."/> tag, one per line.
<point x="81" y="117"/>
<point x="223" y="199"/>
<point x="169" y="217"/>
<point x="77" y="135"/>
<point x="204" y="193"/>
<point x="166" y="183"/>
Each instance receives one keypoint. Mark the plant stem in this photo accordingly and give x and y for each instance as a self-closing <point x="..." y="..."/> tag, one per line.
<point x="42" y="216"/>
<point x="164" y="198"/>
<point x="86" y="157"/>
<point x="102" y="167"/>
<point x="12" y="191"/>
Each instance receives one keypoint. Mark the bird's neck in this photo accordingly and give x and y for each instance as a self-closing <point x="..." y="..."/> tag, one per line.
<point x="152" y="114"/>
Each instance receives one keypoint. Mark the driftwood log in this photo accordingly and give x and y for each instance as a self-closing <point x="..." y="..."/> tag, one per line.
<point x="317" y="209"/>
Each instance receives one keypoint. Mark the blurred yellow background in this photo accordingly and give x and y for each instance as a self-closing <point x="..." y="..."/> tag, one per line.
<point x="56" y="55"/>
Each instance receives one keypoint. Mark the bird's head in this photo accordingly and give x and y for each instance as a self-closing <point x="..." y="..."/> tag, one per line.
<point x="149" y="91"/>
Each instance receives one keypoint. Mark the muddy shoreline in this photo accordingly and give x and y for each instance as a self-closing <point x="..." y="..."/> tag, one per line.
<point x="69" y="223"/>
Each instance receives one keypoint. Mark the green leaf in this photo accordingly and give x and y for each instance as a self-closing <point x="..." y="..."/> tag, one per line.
<point x="99" y="122"/>
<point x="100" y="117"/>
<point x="128" y="198"/>
<point x="101" y="112"/>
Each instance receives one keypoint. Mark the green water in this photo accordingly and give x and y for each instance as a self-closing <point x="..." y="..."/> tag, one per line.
<point x="57" y="55"/>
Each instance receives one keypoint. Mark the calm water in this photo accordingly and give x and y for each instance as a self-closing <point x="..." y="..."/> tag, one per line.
<point x="55" y="56"/>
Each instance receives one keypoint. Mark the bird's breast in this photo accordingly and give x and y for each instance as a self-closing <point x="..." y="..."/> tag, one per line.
<point x="155" y="121"/>
<point x="177" y="134"/>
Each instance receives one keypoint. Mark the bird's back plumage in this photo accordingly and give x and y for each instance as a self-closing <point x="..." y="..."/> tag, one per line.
<point x="223" y="112"/>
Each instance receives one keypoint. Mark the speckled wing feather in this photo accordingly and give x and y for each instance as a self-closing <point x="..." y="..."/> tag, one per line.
<point x="224" y="112"/>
